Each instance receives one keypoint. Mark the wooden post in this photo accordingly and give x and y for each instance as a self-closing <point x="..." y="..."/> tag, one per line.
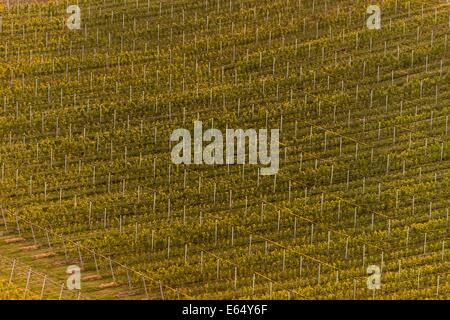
<point x="443" y="248"/>
<point x="168" y="247"/>
<point x="437" y="286"/>
<point x="364" y="255"/>
<point x="161" y="290"/>
<point x="112" y="270"/>
<point x="61" y="291"/>
<point x="265" y="250"/>
<point x="321" y="202"/>
<point x="301" y="266"/>
<point x="201" y="262"/>
<point x="128" y="278"/>
<point x="43" y="287"/>
<point x="95" y="262"/>
<point x="18" y="226"/>
<point x="11" y="275"/>
<point x="253" y="283"/>
<point x="79" y="254"/>
<point x="295" y="228"/>
<point x="64" y="247"/>
<point x="235" y="279"/>
<point x="215" y="232"/>
<point x="153" y="238"/>
<point x="407" y="236"/>
<point x="332" y="173"/>
<point x="217" y="269"/>
<point x="145" y="286"/>
<point x="278" y="220"/>
<point x="425" y="243"/>
<point x="418" y="279"/>
<point x="32" y="232"/>
<point x="318" y="276"/>
<point x="4" y="219"/>
<point x="346" y="248"/>
<point x="104" y="218"/>
<point x="28" y="281"/>
<point x="328" y="240"/>
<point x="232" y="236"/>
<point x="48" y="238"/>
<point x="430" y="208"/>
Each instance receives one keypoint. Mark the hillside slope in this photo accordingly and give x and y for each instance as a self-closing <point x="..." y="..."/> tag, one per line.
<point x="85" y="153"/>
